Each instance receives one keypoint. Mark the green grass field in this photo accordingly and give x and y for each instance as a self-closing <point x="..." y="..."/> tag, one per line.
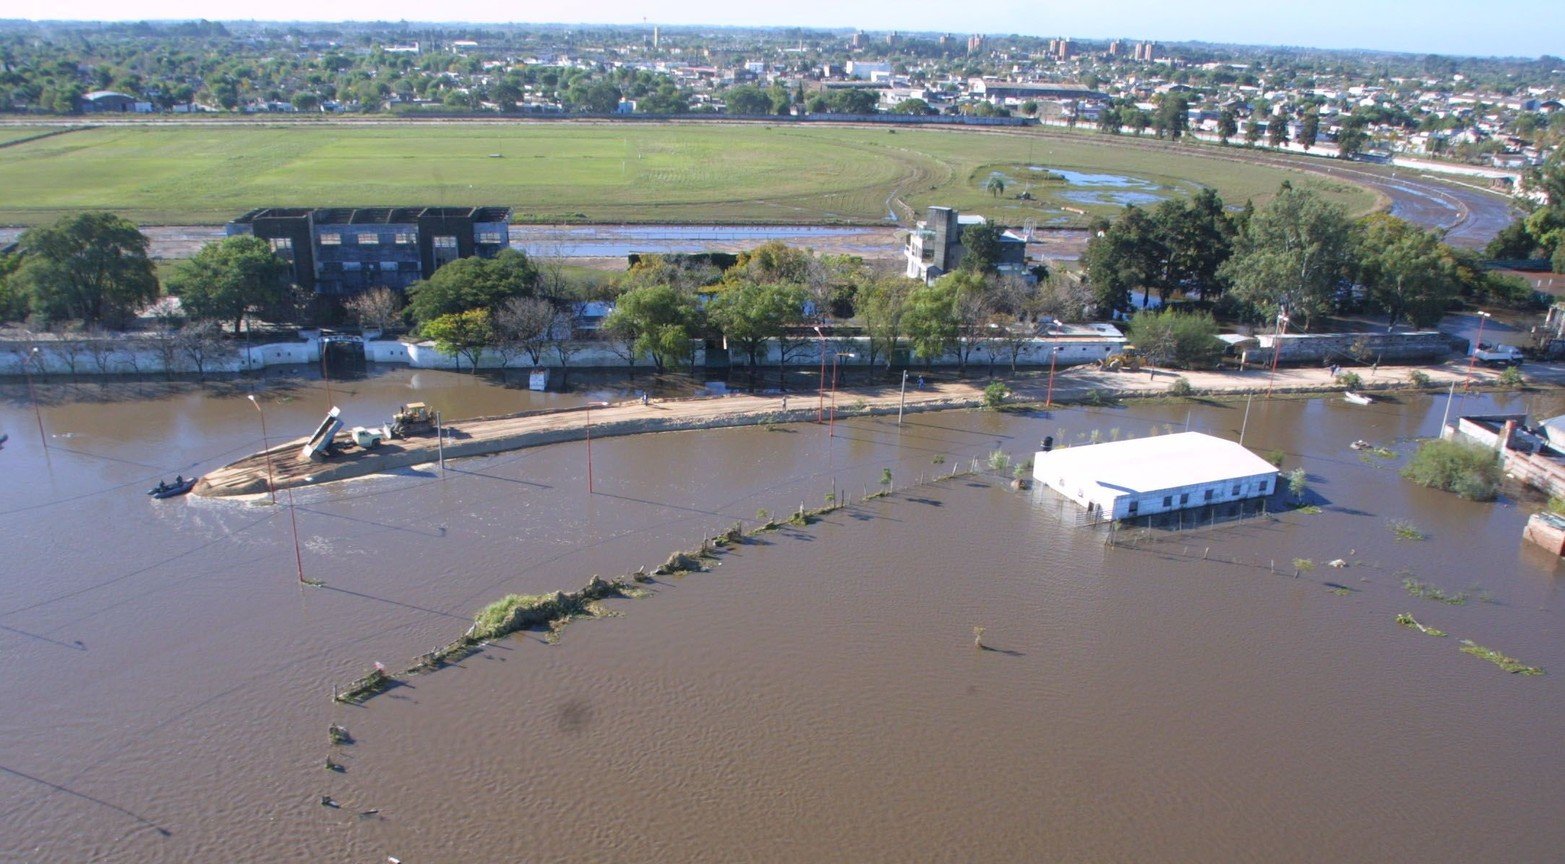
<point x="553" y="172"/>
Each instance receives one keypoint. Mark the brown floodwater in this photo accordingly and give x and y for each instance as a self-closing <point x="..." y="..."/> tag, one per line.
<point x="165" y="690"/>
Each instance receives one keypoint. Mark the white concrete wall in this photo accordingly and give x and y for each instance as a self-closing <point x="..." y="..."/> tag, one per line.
<point x="136" y="356"/>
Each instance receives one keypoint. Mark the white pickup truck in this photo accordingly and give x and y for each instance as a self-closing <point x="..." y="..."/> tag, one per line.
<point x="1498" y="355"/>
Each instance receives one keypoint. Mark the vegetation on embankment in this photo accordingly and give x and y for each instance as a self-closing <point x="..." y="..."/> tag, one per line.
<point x="517" y="612"/>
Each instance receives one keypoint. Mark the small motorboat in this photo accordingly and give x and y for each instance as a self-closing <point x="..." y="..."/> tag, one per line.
<point x="180" y="486"/>
<point x="1361" y="444"/>
<point x="1357" y="398"/>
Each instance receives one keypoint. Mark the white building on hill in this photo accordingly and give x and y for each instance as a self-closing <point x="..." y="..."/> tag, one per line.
<point x="1160" y="474"/>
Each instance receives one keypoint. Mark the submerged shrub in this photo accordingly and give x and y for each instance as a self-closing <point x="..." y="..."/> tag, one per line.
<point x="1469" y="470"/>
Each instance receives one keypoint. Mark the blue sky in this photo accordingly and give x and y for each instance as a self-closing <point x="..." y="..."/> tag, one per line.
<point x="1524" y="28"/>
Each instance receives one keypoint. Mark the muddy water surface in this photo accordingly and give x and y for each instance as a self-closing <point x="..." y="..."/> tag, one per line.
<point x="165" y="694"/>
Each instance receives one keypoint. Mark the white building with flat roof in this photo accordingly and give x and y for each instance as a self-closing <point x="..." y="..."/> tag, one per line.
<point x="1159" y="474"/>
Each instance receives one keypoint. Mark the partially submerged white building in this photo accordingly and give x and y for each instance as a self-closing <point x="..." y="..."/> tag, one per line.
<point x="1160" y="474"/>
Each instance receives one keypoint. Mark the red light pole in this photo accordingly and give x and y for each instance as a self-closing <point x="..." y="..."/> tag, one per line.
<point x="266" y="450"/>
<point x="1471" y="358"/>
<point x="590" y="406"/>
<point x="1282" y="328"/>
<point x="1048" y="399"/>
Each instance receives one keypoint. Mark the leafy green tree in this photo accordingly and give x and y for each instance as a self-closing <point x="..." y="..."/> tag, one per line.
<point x="1292" y="256"/>
<point x="981" y="247"/>
<point x="1227" y="125"/>
<point x="13" y="303"/>
<point x="1172" y="117"/>
<point x="750" y="314"/>
<point x="657" y="321"/>
<point x="853" y="101"/>
<point x="1194" y="237"/>
<point x="1351" y="136"/>
<point x="1172" y="338"/>
<point x="995" y="185"/>
<point x="92" y="266"/>
<point x="472" y="283"/>
<point x="1407" y="270"/>
<point x="462" y="334"/>
<point x="1252" y="130"/>
<point x="227" y="280"/>
<point x="929" y="319"/>
<point x="881" y="306"/>
<point x="1123" y="257"/>
<point x="912" y="106"/>
<point x="747" y="99"/>
<point x="1309" y="129"/>
<point x="1277" y="129"/>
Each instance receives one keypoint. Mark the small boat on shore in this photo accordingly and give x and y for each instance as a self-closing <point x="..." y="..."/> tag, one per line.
<point x="180" y="486"/>
<point x="1357" y="398"/>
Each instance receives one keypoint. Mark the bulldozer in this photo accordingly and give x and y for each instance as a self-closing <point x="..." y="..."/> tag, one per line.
<point x="1127" y="360"/>
<point x="411" y="419"/>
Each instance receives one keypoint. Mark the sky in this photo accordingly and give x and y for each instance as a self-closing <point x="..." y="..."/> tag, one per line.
<point x="1513" y="28"/>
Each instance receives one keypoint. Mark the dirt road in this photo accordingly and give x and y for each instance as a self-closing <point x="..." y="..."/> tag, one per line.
<point x="482" y="436"/>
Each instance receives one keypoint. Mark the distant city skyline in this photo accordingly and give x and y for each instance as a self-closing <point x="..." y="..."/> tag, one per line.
<point x="1504" y="28"/>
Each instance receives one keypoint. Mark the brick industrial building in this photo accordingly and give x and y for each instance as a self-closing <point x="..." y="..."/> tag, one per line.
<point x="342" y="251"/>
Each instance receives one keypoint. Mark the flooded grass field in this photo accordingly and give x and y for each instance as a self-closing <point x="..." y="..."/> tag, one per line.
<point x="1180" y="695"/>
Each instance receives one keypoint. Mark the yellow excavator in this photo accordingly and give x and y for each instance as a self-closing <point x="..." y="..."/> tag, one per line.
<point x="1127" y="360"/>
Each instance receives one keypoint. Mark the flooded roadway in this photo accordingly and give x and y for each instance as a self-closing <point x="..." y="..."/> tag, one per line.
<point x="165" y="695"/>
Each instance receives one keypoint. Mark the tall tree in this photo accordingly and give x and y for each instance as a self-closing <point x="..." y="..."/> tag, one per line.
<point x="521" y="326"/>
<point x="227" y="280"/>
<point x="472" y="283"/>
<point x="1252" y="130"/>
<point x="981" y="247"/>
<point x="1293" y="257"/>
<point x="1309" y="128"/>
<point x="1173" y="113"/>
<point x="1123" y="257"/>
<point x="1408" y="271"/>
<point x="1277" y="129"/>
<point x="881" y="306"/>
<point x="929" y="319"/>
<point x="92" y="266"/>
<point x="462" y="334"/>
<point x="1227" y="126"/>
<point x="656" y="321"/>
<point x="752" y="314"/>
<point x="1351" y="137"/>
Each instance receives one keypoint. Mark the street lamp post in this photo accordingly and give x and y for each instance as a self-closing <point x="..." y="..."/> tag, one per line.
<point x="590" y="406"/>
<point x="1048" y="399"/>
<point x="831" y="425"/>
<point x="266" y="450"/>
<point x="1472" y="357"/>
<point x="1282" y="329"/>
<point x="32" y="394"/>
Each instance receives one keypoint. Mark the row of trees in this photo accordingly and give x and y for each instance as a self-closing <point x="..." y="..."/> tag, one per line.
<point x="1300" y="254"/>
<point x="1540" y="233"/>
<point x="93" y="268"/>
